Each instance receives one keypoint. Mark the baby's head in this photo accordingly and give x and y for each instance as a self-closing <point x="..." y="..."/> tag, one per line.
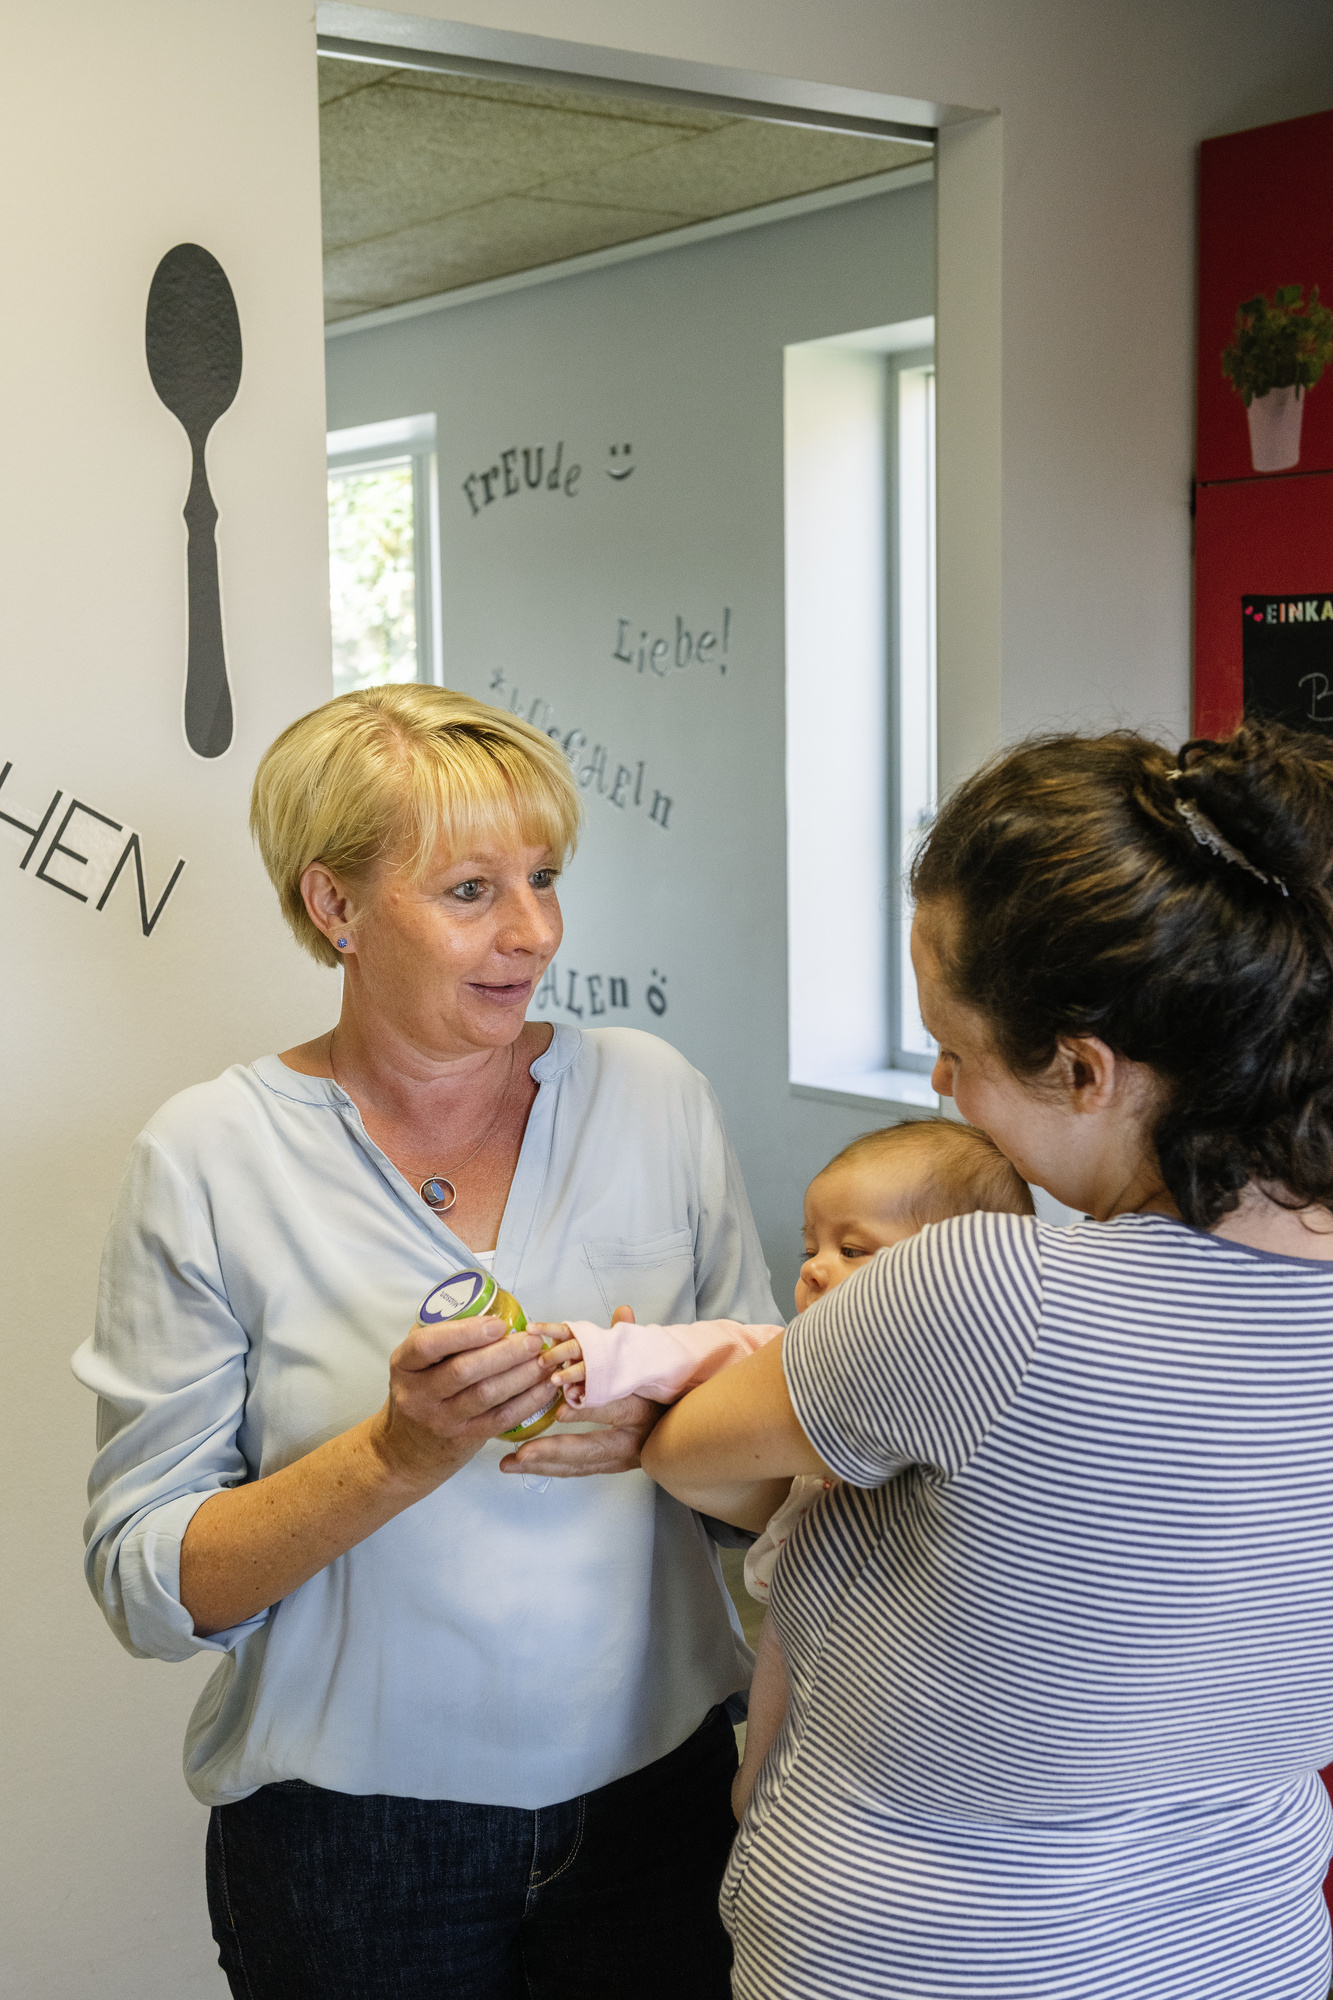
<point x="889" y="1184"/>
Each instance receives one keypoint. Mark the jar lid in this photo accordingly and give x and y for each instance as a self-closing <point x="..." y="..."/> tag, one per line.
<point x="463" y="1295"/>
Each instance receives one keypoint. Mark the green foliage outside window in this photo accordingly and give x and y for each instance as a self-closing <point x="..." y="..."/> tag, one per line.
<point x="1280" y="346"/>
<point x="372" y="577"/>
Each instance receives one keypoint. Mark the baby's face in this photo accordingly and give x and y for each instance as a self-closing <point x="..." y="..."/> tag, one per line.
<point x="851" y="1212"/>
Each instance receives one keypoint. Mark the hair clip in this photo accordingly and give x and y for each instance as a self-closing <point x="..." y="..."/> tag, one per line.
<point x="1210" y="836"/>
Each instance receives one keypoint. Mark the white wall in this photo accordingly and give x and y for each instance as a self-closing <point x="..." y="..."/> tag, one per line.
<point x="123" y="131"/>
<point x="679" y="355"/>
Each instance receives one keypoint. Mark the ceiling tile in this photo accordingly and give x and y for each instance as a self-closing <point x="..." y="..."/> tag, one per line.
<point x="513" y="234"/>
<point x="587" y="103"/>
<point x="394" y="157"/>
<point x="340" y="79"/>
<point x="434" y="181"/>
<point x="718" y="173"/>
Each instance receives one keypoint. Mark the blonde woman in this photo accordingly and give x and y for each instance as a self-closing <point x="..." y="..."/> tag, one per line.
<point x="465" y="1735"/>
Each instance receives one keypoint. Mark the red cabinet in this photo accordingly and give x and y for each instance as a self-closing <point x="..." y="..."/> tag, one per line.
<point x="1264" y="517"/>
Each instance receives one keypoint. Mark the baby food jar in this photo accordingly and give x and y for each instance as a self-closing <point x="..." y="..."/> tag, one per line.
<point x="475" y="1295"/>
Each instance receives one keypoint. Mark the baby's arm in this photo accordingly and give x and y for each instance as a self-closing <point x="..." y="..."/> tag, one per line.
<point x="601" y="1364"/>
<point x="768" y="1711"/>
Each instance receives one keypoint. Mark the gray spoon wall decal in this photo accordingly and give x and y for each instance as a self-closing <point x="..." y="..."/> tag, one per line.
<point x="193" y="342"/>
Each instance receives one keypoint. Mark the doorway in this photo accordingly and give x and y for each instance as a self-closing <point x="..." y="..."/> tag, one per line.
<point x="583" y="299"/>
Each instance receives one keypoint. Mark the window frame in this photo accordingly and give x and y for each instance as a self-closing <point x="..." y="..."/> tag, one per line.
<point x="900" y="1084"/>
<point x="914" y="363"/>
<point x="377" y="447"/>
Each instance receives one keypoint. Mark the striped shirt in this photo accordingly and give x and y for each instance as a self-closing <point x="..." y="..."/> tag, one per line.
<point x="1061" y="1650"/>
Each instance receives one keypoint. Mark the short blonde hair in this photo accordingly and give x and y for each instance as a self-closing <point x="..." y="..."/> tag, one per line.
<point x="955" y="1169"/>
<point x="393" y="771"/>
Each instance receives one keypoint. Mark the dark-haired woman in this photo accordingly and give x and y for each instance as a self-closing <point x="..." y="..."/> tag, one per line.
<point x="1061" y="1640"/>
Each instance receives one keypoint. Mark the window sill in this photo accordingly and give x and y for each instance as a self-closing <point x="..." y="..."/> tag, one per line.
<point x="906" y="1092"/>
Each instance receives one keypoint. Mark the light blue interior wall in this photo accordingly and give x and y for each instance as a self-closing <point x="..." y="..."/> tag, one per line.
<point x="678" y="355"/>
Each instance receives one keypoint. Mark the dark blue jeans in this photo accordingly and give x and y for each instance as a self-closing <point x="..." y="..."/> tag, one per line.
<point x="320" y="1895"/>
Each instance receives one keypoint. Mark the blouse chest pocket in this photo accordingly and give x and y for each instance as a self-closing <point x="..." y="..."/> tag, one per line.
<point x="654" y="1276"/>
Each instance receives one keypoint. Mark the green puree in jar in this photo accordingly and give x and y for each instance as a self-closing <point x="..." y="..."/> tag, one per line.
<point x="475" y="1295"/>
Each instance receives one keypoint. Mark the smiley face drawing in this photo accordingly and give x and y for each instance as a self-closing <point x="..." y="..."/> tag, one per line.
<point x="624" y="468"/>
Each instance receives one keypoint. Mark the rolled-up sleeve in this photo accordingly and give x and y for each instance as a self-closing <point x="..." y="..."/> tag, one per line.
<point x="167" y="1363"/>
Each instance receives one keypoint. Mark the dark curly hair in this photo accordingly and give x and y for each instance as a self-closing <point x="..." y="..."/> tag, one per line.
<point x="1088" y="906"/>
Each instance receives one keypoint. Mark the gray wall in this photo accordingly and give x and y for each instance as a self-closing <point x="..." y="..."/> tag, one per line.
<point x="678" y="355"/>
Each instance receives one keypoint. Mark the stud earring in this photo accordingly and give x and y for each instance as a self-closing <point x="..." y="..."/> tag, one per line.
<point x="342" y="944"/>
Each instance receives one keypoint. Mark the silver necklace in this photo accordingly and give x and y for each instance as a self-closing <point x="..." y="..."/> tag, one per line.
<point x="432" y="1189"/>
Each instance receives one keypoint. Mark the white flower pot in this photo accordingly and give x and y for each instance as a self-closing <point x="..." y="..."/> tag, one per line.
<point x="1275" y="428"/>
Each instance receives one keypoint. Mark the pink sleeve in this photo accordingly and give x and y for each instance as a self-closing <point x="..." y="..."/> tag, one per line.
<point x="660" y="1362"/>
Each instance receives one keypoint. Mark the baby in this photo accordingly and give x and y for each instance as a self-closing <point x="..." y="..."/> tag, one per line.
<point x="880" y="1189"/>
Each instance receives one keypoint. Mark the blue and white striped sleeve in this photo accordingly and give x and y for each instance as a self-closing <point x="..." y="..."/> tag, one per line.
<point x="915" y="1358"/>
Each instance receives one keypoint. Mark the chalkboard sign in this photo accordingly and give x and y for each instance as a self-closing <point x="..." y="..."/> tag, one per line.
<point x="1287" y="659"/>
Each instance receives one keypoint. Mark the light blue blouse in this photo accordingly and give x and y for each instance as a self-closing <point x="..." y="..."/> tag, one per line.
<point x="506" y="1640"/>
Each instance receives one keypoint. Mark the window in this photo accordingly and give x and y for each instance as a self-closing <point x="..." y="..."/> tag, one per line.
<point x="913" y="740"/>
<point x="861" y="758"/>
<point x="383" y="560"/>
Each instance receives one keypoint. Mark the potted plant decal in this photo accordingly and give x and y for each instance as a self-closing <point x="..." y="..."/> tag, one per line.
<point x="1277" y="352"/>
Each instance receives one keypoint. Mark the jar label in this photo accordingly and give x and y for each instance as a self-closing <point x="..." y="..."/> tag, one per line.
<point x="537" y="1415"/>
<point x="465" y="1295"/>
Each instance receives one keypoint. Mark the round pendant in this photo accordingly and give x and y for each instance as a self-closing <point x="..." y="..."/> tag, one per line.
<point x="438" y="1192"/>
